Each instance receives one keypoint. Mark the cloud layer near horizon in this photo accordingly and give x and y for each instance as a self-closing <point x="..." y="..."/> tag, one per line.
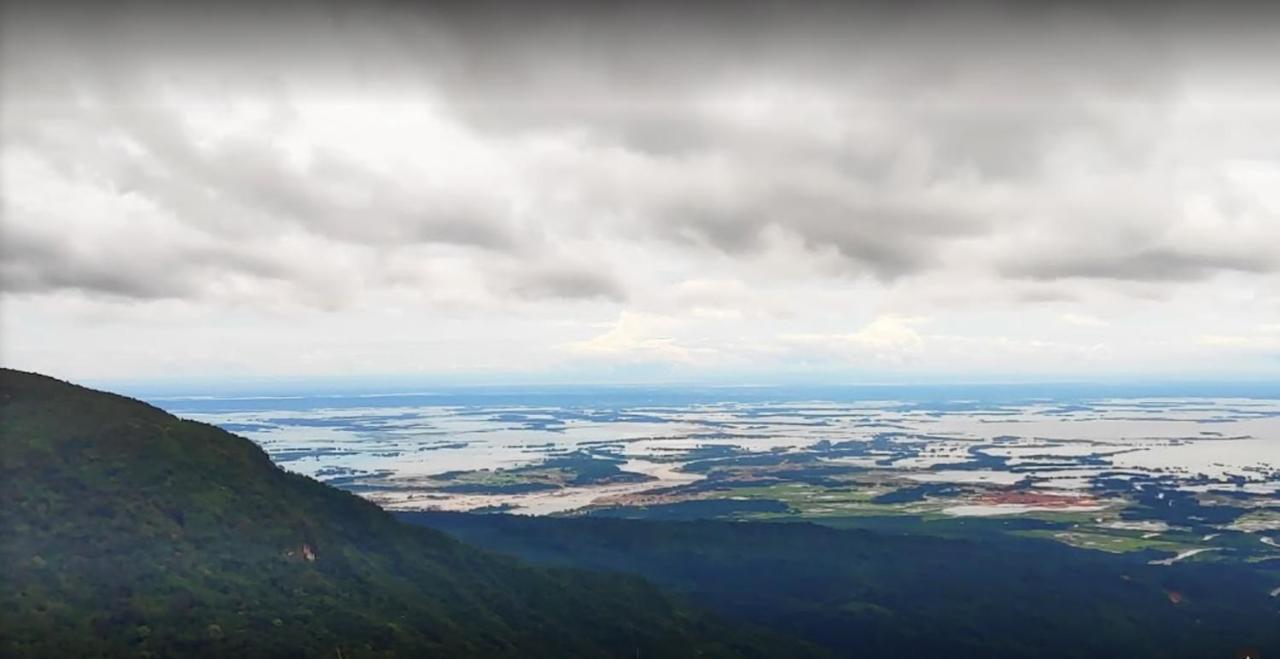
<point x="879" y="191"/>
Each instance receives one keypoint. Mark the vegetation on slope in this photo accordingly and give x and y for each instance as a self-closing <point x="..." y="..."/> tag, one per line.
<point x="905" y="593"/>
<point x="127" y="531"/>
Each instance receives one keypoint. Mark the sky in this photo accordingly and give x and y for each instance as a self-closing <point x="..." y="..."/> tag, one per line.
<point x="588" y="193"/>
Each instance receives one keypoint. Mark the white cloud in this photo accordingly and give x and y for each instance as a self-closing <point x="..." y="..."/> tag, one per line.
<point x="1264" y="338"/>
<point x="1082" y="320"/>
<point x="888" y="338"/>
<point x="736" y="196"/>
<point x="639" y="338"/>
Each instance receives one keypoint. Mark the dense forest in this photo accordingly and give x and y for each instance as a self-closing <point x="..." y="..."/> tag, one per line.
<point x="964" y="589"/>
<point x="129" y="532"/>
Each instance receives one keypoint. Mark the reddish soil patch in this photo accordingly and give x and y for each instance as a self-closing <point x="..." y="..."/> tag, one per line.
<point x="1037" y="499"/>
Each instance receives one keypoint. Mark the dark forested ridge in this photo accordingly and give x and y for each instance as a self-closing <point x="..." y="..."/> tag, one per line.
<point x="129" y="532"/>
<point x="888" y="594"/>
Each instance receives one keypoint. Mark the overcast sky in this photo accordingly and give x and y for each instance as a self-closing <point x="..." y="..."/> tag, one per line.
<point x="587" y="195"/>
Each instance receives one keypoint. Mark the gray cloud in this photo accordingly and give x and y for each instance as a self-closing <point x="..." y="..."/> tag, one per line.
<point x="1146" y="264"/>
<point x="887" y="237"/>
<point x="122" y="265"/>
<point x="900" y="142"/>
<point x="571" y="283"/>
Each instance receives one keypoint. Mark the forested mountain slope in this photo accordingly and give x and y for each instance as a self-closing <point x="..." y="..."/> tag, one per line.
<point x="127" y="531"/>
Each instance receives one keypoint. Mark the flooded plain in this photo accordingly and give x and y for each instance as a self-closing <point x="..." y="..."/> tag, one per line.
<point x="416" y="453"/>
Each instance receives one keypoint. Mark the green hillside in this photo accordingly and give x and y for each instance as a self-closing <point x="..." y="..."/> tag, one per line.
<point x="127" y="531"/>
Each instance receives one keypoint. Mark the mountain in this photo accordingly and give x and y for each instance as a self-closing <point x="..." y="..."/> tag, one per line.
<point x="128" y="531"/>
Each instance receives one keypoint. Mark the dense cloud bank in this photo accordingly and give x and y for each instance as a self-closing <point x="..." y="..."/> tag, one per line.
<point x="491" y="155"/>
